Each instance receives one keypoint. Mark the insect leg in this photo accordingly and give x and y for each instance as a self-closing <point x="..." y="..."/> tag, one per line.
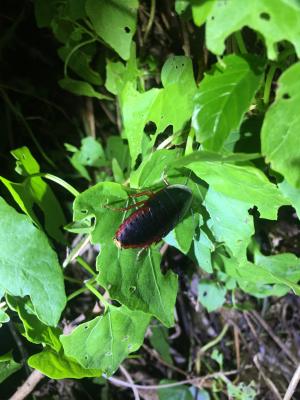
<point x="139" y="203"/>
<point x="148" y="193"/>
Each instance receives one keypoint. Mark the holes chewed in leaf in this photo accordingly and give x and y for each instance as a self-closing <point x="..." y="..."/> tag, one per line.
<point x="126" y="29"/>
<point x="150" y="128"/>
<point x="265" y="16"/>
<point x="286" y="96"/>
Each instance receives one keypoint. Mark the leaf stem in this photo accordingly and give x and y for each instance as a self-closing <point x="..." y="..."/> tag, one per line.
<point x="73" y="51"/>
<point x="92" y="289"/>
<point x="215" y="340"/>
<point x="268" y="84"/>
<point x="240" y="42"/>
<point x="81" y="290"/>
<point x="86" y="266"/>
<point x="57" y="180"/>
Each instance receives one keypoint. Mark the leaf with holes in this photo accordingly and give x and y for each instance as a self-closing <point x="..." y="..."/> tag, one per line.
<point x="231" y="222"/>
<point x="244" y="183"/>
<point x="276" y="20"/>
<point x="280" y="132"/>
<point x="104" y="342"/>
<point x="114" y="22"/>
<point x="211" y="295"/>
<point x="158" y="105"/>
<point x="29" y="266"/>
<point x="223" y="98"/>
<point x="136" y="281"/>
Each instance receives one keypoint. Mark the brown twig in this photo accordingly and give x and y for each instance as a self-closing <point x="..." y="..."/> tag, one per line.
<point x="293" y="384"/>
<point x="267" y="380"/>
<point x="23" y="391"/>
<point x="276" y="339"/>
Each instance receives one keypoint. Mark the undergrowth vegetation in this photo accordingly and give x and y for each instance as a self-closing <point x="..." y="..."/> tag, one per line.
<point x="117" y="98"/>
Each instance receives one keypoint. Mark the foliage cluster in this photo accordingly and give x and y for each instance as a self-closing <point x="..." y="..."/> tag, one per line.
<point x="212" y="122"/>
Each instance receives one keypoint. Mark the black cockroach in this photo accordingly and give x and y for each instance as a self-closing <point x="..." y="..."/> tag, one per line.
<point x="155" y="218"/>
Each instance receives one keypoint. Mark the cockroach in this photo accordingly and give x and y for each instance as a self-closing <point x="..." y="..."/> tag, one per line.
<point x="155" y="218"/>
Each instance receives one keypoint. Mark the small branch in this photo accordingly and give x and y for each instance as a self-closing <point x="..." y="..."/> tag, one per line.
<point x="267" y="380"/>
<point x="28" y="386"/>
<point x="129" y="379"/>
<point x="293" y="384"/>
<point x="150" y="21"/>
<point x="276" y="339"/>
<point x="195" y="381"/>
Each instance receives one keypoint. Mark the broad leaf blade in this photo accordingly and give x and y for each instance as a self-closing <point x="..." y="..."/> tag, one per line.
<point x="29" y="266"/>
<point x="104" y="342"/>
<point x="223" y="97"/>
<point x="276" y="20"/>
<point x="280" y="132"/>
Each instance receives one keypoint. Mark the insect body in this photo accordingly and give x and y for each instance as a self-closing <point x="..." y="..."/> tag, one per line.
<point x="155" y="219"/>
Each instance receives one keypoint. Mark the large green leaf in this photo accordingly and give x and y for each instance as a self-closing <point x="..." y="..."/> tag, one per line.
<point x="223" y="97"/>
<point x="180" y="392"/>
<point x="104" y="342"/>
<point x="158" y="105"/>
<point x="35" y="191"/>
<point x="57" y="365"/>
<point x="136" y="281"/>
<point x="245" y="183"/>
<point x="115" y="22"/>
<point x="280" y="132"/>
<point x="231" y="222"/>
<point x="29" y="266"/>
<point x="276" y="20"/>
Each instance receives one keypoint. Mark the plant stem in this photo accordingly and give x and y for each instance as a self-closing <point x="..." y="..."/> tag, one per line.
<point x="268" y="84"/>
<point x="215" y="340"/>
<point x="240" y="42"/>
<point x="73" y="51"/>
<point x="57" y="180"/>
<point x="86" y="266"/>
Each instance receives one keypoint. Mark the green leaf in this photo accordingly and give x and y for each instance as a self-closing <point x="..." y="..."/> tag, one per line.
<point x="211" y="295"/>
<point x="80" y="88"/>
<point x="116" y="148"/>
<point x="266" y="271"/>
<point x="90" y="154"/>
<point x="292" y="194"/>
<point x="201" y="10"/>
<point x="184" y="233"/>
<point x="280" y="131"/>
<point x="203" y="155"/>
<point x="44" y="12"/>
<point x="136" y="281"/>
<point x="203" y="248"/>
<point x="245" y="183"/>
<point x="180" y="392"/>
<point x="153" y="168"/>
<point x="29" y="266"/>
<point x="114" y="22"/>
<point x="59" y="366"/>
<point x="118" y="74"/>
<point x="104" y="342"/>
<point x="231" y="222"/>
<point x="159" y="340"/>
<point x="223" y="97"/>
<point x="35" y="191"/>
<point x="157" y="105"/>
<point x="277" y="21"/>
<point x="92" y="203"/>
<point x="8" y="366"/>
<point x="33" y="329"/>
